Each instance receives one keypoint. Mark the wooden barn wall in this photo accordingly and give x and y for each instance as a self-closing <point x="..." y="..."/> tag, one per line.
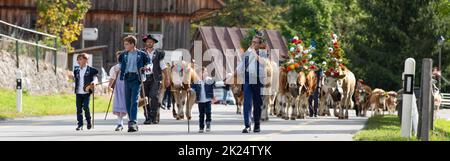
<point x="175" y="31"/>
<point x="155" y="6"/>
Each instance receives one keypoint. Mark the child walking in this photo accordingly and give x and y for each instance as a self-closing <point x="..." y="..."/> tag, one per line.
<point x="85" y="78"/>
<point x="204" y="93"/>
<point x="119" y="107"/>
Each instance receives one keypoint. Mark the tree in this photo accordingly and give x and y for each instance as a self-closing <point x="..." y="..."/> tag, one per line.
<point x="391" y="32"/>
<point x="248" y="14"/>
<point x="62" y="18"/>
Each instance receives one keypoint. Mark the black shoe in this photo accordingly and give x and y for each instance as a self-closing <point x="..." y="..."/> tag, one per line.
<point x="147" y="122"/>
<point x="132" y="127"/>
<point x="200" y="131"/>
<point x="256" y="129"/>
<point x="80" y="127"/>
<point x="89" y="126"/>
<point x="119" y="128"/>
<point x="246" y="130"/>
<point x="155" y="122"/>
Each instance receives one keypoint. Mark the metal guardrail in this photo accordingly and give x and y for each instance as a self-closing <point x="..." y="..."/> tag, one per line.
<point x="445" y="101"/>
<point x="36" y="44"/>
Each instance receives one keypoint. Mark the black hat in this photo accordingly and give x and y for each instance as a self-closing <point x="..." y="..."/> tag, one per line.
<point x="149" y="37"/>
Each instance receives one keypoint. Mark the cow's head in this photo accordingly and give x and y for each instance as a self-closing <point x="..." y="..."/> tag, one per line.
<point x="180" y="73"/>
<point x="292" y="79"/>
<point x="333" y="83"/>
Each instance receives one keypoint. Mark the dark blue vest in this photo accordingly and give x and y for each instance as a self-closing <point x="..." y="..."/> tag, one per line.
<point x="88" y="76"/>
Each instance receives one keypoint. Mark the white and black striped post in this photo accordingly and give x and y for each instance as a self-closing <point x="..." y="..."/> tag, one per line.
<point x="408" y="94"/>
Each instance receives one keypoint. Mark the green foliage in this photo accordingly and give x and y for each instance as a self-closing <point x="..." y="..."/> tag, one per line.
<point x="42" y="105"/>
<point x="63" y="18"/>
<point x="247" y="14"/>
<point x="375" y="36"/>
<point x="391" y="32"/>
<point x="246" y="41"/>
<point x="387" y="128"/>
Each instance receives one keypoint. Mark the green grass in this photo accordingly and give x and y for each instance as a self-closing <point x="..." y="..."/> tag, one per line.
<point x="44" y="105"/>
<point x="387" y="128"/>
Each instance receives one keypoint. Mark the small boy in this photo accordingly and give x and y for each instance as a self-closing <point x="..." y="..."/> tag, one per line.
<point x="204" y="93"/>
<point x="85" y="79"/>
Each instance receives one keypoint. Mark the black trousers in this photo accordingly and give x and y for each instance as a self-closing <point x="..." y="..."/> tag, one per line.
<point x="204" y="109"/>
<point x="151" y="88"/>
<point x="82" y="103"/>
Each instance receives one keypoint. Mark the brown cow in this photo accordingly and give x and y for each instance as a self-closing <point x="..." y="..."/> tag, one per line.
<point x="302" y="101"/>
<point x="270" y="87"/>
<point x="346" y="84"/>
<point x="377" y="101"/>
<point x="291" y="96"/>
<point x="362" y="96"/>
<point x="238" y="92"/>
<point x="182" y="76"/>
<point x="326" y="99"/>
<point x="280" y="100"/>
<point x="311" y="85"/>
<point x="391" y="101"/>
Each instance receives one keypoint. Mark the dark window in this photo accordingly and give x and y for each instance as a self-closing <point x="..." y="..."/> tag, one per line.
<point x="154" y="25"/>
<point x="128" y="25"/>
<point x="33" y="21"/>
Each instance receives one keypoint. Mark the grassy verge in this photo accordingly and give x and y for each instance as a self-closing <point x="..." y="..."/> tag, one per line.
<point x="44" y="105"/>
<point x="387" y="128"/>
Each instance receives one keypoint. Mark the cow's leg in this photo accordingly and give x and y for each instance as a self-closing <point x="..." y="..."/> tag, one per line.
<point x="189" y="104"/>
<point x="322" y="104"/>
<point x="335" y="109"/>
<point x="327" y="108"/>
<point x="280" y="106"/>
<point x="294" y="104"/>
<point x="302" y="107"/>
<point x="182" y="104"/>
<point x="348" y="106"/>
<point x="239" y="105"/>
<point x="264" y="113"/>
<point x="176" y="96"/>
<point x="283" y="107"/>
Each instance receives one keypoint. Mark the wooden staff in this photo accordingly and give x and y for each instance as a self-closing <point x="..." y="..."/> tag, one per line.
<point x="113" y="85"/>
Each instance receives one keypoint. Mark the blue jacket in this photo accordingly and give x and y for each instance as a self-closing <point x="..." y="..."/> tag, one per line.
<point x="142" y="60"/>
<point x="209" y="89"/>
<point x="88" y="76"/>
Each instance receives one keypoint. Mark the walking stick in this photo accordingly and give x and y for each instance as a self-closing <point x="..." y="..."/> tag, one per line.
<point x="187" y="104"/>
<point x="109" y="104"/>
<point x="93" y="107"/>
<point x="146" y="102"/>
<point x="112" y="93"/>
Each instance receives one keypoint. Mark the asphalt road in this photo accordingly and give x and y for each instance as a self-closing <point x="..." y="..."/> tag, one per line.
<point x="226" y="126"/>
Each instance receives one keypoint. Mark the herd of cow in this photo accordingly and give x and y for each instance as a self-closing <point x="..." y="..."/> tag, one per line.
<point x="287" y="96"/>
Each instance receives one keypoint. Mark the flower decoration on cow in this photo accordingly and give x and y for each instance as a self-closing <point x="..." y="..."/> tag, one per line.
<point x="335" y="59"/>
<point x="314" y="57"/>
<point x="298" y="56"/>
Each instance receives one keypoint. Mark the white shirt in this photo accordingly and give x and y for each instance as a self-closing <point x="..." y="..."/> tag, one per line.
<point x="161" y="63"/>
<point x="203" y="98"/>
<point x="81" y="81"/>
